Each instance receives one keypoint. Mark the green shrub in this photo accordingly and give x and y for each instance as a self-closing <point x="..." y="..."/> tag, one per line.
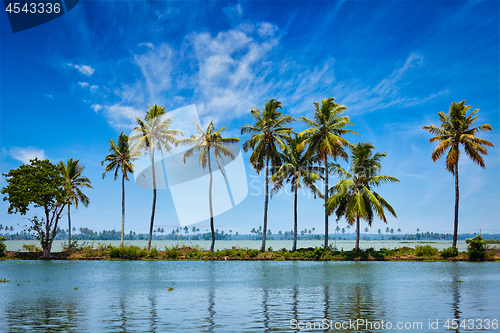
<point x="153" y="252"/>
<point x="318" y="252"/>
<point x="128" y="252"/>
<point x="476" y="249"/>
<point x="2" y="245"/>
<point x="31" y="248"/>
<point x="449" y="252"/>
<point x="252" y="253"/>
<point x="425" y="251"/>
<point x="173" y="253"/>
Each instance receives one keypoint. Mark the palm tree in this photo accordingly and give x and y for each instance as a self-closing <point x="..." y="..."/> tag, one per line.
<point x="324" y="138"/>
<point x="72" y="174"/>
<point x="207" y="143"/>
<point x="353" y="197"/>
<point x="456" y="130"/>
<point x="154" y="133"/>
<point x="120" y="158"/>
<point x="296" y="166"/>
<point x="268" y="134"/>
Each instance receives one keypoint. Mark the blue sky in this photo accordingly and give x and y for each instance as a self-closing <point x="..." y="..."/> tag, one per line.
<point x="72" y="84"/>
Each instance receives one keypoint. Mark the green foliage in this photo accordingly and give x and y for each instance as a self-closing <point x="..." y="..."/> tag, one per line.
<point x="318" y="252"/>
<point x="353" y="196"/>
<point x="172" y="253"/>
<point x="4" y="280"/>
<point x="425" y="251"/>
<point x="252" y="253"/>
<point x="31" y="248"/>
<point x="476" y="249"/>
<point x="2" y="245"/>
<point x="37" y="185"/>
<point x="449" y="252"/>
<point x="153" y="252"/>
<point x="127" y="252"/>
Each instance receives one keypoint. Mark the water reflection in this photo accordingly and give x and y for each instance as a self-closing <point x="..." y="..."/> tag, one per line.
<point x="240" y="296"/>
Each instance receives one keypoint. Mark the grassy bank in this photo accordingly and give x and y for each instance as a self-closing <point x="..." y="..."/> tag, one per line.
<point x="108" y="252"/>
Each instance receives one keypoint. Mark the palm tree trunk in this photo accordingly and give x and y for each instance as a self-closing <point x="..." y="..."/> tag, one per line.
<point x="123" y="209"/>
<point x="455" y="231"/>
<point x="294" y="247"/>
<point x="326" y="199"/>
<point x="69" y="228"/>
<point x="154" y="195"/>
<point x="266" y="203"/>
<point x="210" y="202"/>
<point x="357" y="234"/>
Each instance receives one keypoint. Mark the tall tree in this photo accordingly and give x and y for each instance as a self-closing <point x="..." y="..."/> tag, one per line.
<point x="268" y="135"/>
<point x="208" y="143"/>
<point x="72" y="173"/>
<point x="456" y="129"/>
<point x="38" y="185"/>
<point x="324" y="137"/>
<point x="353" y="197"/>
<point x="120" y="159"/>
<point x="153" y="133"/>
<point x="296" y="167"/>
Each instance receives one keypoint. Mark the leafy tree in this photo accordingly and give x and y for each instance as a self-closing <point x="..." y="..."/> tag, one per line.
<point x="324" y="137"/>
<point x="120" y="159"/>
<point x="38" y="185"/>
<point x="268" y="135"/>
<point x="353" y="197"/>
<point x="296" y="166"/>
<point x="456" y="129"/>
<point x="207" y="143"/>
<point x="153" y="133"/>
<point x="72" y="174"/>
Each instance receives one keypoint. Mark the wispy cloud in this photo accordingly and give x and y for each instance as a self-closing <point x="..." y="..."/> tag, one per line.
<point x="84" y="69"/>
<point x="48" y="96"/>
<point x="83" y="84"/>
<point x="121" y="117"/>
<point x="228" y="73"/>
<point x="25" y="154"/>
<point x="149" y="44"/>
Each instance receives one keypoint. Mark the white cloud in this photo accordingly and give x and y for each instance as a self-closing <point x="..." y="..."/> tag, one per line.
<point x="121" y="117"/>
<point x="149" y="44"/>
<point x="83" y="84"/>
<point x="26" y="154"/>
<point x="233" y="12"/>
<point x="156" y="67"/>
<point x="96" y="107"/>
<point x="94" y="87"/>
<point x="266" y="29"/>
<point x="84" y="69"/>
<point x="49" y="96"/>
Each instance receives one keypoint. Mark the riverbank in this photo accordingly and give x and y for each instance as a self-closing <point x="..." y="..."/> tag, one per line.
<point x="109" y="252"/>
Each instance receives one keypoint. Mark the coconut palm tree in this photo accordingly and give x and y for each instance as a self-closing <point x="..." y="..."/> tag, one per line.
<point x="268" y="135"/>
<point x="353" y="197"/>
<point x="296" y="166"/>
<point x="456" y="129"/>
<point x="207" y="143"/>
<point x="72" y="173"/>
<point x="324" y="137"/>
<point x="120" y="159"/>
<point x="154" y="133"/>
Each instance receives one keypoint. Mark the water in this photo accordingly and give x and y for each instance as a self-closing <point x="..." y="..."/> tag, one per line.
<point x="255" y="244"/>
<point x="242" y="296"/>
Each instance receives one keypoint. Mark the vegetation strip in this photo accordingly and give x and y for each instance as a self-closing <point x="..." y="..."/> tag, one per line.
<point x="477" y="251"/>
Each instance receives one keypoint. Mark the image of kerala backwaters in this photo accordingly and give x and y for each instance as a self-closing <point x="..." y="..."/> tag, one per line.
<point x="249" y="296"/>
